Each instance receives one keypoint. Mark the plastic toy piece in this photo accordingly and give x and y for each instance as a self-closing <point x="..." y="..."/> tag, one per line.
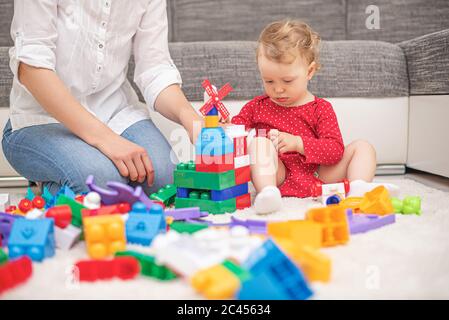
<point x="213" y="142"/>
<point x="120" y="208"/>
<point x="229" y="193"/>
<point x="410" y="205"/>
<point x="254" y="226"/>
<point x="3" y="257"/>
<point x="215" y="99"/>
<point x="14" y="273"/>
<point x="242" y="175"/>
<point x="30" y="194"/>
<point x="216" y="282"/>
<point x="62" y="215"/>
<point x="104" y="235"/>
<point x="241" y="161"/>
<point x="34" y="238"/>
<point x="48" y="198"/>
<point x="220" y="163"/>
<point x="300" y="232"/>
<point x="187" y="227"/>
<point x="213" y="207"/>
<point x="66" y="238"/>
<point x="119" y="193"/>
<point x="35" y="214"/>
<point x="6" y="222"/>
<point x="243" y="201"/>
<point x="351" y="203"/>
<point x="25" y="205"/>
<point x="334" y="222"/>
<point x="273" y="276"/>
<point x="124" y="268"/>
<point x="92" y="200"/>
<point x="359" y="223"/>
<point x="211" y="121"/>
<point x="239" y="135"/>
<point x="377" y="201"/>
<point x="186" y="213"/>
<point x="166" y="195"/>
<point x="142" y="228"/>
<point x="75" y="206"/>
<point x="4" y="201"/>
<point x="185" y="176"/>
<point x="149" y="267"/>
<point x="38" y="202"/>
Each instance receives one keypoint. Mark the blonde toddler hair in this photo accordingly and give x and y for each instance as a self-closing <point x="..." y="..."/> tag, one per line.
<point x="283" y="41"/>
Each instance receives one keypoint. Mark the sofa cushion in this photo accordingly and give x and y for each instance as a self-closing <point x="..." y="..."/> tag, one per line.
<point x="428" y="63"/>
<point x="6" y="13"/>
<point x="5" y="77"/>
<point x="206" y="20"/>
<point x="399" y="20"/>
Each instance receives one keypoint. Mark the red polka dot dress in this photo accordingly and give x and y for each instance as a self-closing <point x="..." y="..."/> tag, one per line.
<point x="317" y="125"/>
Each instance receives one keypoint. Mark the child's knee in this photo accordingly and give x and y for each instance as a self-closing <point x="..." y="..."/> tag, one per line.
<point x="363" y="146"/>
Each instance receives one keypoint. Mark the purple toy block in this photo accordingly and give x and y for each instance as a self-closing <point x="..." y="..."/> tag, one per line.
<point x="186" y="213"/>
<point x="6" y="222"/>
<point x="359" y="223"/>
<point x="120" y="193"/>
<point x="254" y="226"/>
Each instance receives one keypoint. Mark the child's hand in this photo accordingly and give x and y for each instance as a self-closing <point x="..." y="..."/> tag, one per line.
<point x="284" y="142"/>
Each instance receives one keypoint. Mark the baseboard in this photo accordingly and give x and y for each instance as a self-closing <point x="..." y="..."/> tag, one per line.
<point x="13" y="182"/>
<point x="390" y="169"/>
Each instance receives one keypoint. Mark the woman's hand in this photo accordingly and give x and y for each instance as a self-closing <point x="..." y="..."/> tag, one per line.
<point x="285" y="142"/>
<point x="130" y="159"/>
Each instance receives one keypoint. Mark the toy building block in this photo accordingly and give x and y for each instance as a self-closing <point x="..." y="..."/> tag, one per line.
<point x="221" y="163"/>
<point x="30" y="194"/>
<point x="184" y="227"/>
<point x="377" y="201"/>
<point x="254" y="226"/>
<point x="241" y="161"/>
<point x="359" y="223"/>
<point x="185" y="213"/>
<point x="334" y="222"/>
<point x="142" y="228"/>
<point x="34" y="238"/>
<point x="214" y="102"/>
<point x="332" y="193"/>
<point x="237" y="270"/>
<point x="216" y="282"/>
<point x="66" y="191"/>
<point x="410" y="205"/>
<point x="14" y="273"/>
<point x="300" y="232"/>
<point x="6" y="223"/>
<point x="242" y="175"/>
<point x="4" y="201"/>
<point x="62" y="215"/>
<point x="213" y="207"/>
<point x="35" y="214"/>
<point x="48" y="198"/>
<point x="75" y="206"/>
<point x="119" y="208"/>
<point x="149" y="267"/>
<point x="352" y="203"/>
<point x="66" y="238"/>
<point x="124" y="268"/>
<point x="213" y="142"/>
<point x="25" y="205"/>
<point x="104" y="235"/>
<point x="166" y="195"/>
<point x="229" y="193"/>
<point x="3" y="257"/>
<point x="243" y="201"/>
<point x="211" y="121"/>
<point x="185" y="176"/>
<point x="273" y="276"/>
<point x="92" y="200"/>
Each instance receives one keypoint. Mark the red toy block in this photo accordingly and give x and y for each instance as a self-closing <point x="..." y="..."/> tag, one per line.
<point x="10" y="209"/>
<point x="240" y="146"/>
<point x="38" y="202"/>
<point x="61" y="214"/>
<point x="15" y="272"/>
<point x="243" y="201"/>
<point x="25" y="205"/>
<point x="124" y="268"/>
<point x="242" y="175"/>
<point x="120" y="208"/>
<point x="221" y="163"/>
<point x="80" y="199"/>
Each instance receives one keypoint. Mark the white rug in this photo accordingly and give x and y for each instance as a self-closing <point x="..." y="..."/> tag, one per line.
<point x="406" y="260"/>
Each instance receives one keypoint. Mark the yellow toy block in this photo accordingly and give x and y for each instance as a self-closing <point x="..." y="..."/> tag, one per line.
<point x="300" y="232"/>
<point x="377" y="201"/>
<point x="335" y="224"/>
<point x="352" y="203"/>
<point x="211" y="121"/>
<point x="315" y="265"/>
<point x="216" y="283"/>
<point x="104" y="235"/>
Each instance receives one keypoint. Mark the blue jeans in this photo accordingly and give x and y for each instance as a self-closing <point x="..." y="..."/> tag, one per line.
<point x="51" y="154"/>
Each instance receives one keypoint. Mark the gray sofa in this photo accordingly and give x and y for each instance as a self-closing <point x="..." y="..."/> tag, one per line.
<point x="388" y="85"/>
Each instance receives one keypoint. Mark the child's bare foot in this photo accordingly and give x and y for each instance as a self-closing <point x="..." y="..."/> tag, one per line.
<point x="268" y="200"/>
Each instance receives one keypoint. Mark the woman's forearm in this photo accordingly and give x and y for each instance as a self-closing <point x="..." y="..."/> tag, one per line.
<point x="52" y="94"/>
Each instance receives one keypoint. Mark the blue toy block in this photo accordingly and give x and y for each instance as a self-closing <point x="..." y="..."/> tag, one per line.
<point x="156" y="210"/>
<point x="213" y="142"/>
<point x="66" y="191"/>
<point x="30" y="194"/>
<point x="49" y="198"/>
<point x="141" y="228"/>
<point x="213" y="112"/>
<point x="229" y="193"/>
<point x="279" y="276"/>
<point x="182" y="193"/>
<point x="138" y="207"/>
<point x="34" y="238"/>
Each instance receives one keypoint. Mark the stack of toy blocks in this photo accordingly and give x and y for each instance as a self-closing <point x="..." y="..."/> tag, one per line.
<point x="217" y="181"/>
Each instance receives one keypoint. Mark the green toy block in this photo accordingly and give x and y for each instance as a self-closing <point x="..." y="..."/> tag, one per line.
<point x="76" y="207"/>
<point x="213" y="207"/>
<point x="3" y="257"/>
<point x="239" y="272"/>
<point x="148" y="266"/>
<point x="185" y="176"/>
<point x="166" y="195"/>
<point x="185" y="227"/>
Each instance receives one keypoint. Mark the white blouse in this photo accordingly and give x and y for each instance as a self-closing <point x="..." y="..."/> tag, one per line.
<point x="88" y="44"/>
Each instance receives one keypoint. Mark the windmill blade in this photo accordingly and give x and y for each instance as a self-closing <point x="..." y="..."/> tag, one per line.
<point x="208" y="87"/>
<point x="225" y="91"/>
<point x="207" y="107"/>
<point x="222" y="109"/>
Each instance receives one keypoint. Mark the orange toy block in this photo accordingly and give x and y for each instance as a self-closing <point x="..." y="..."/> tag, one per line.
<point x="104" y="235"/>
<point x="300" y="232"/>
<point x="377" y="201"/>
<point x="216" y="282"/>
<point x="315" y="265"/>
<point x="335" y="224"/>
<point x="351" y="203"/>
